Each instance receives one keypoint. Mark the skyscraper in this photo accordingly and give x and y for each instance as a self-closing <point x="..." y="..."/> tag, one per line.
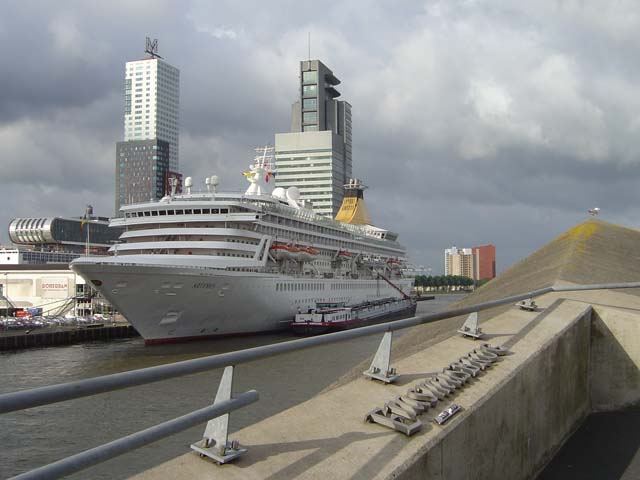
<point x="142" y="168"/>
<point x="151" y="104"/>
<point x="149" y="154"/>
<point x="316" y="155"/>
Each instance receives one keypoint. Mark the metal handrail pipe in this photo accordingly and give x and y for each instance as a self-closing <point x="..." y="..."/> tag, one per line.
<point x="595" y="286"/>
<point x="21" y="400"/>
<point x="99" y="454"/>
<point x="24" y="399"/>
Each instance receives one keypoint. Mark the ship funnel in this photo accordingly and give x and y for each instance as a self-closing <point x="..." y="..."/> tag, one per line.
<point x="353" y="209"/>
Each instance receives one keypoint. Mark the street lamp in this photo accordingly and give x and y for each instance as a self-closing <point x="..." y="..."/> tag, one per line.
<point x="6" y="293"/>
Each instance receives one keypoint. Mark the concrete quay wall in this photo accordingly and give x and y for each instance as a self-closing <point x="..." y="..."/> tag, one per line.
<point x="515" y="416"/>
<point x="615" y="358"/>
<point x="64" y="336"/>
<point x="518" y="426"/>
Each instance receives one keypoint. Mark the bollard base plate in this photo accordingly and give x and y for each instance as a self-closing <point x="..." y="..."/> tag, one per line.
<point x="213" y="452"/>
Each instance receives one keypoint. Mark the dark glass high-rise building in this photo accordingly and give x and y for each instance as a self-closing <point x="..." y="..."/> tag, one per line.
<point x="316" y="155"/>
<point x="142" y="168"/>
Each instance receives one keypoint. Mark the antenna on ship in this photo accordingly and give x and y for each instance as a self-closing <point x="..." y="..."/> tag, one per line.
<point x="309" y="44"/>
<point x="215" y="181"/>
<point x="173" y="183"/>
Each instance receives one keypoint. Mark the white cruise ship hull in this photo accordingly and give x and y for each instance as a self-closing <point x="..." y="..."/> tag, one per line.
<point x="173" y="303"/>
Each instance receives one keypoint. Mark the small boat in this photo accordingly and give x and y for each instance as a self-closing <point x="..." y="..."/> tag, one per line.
<point x="307" y="254"/>
<point x="283" y="252"/>
<point x="331" y="317"/>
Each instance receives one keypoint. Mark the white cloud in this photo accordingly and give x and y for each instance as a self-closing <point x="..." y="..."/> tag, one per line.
<point x="468" y="116"/>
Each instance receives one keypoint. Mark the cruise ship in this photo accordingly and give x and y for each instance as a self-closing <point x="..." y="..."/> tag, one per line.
<point x="206" y="263"/>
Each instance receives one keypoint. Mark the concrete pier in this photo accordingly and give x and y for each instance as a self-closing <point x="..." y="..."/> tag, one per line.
<point x="578" y="353"/>
<point x="515" y="415"/>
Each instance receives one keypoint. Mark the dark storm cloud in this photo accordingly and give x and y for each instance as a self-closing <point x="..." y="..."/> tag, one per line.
<point x="474" y="122"/>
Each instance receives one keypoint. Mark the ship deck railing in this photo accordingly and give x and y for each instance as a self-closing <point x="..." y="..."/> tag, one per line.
<point x="25" y="399"/>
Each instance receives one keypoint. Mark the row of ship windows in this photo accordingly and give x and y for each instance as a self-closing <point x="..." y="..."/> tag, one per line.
<point x="191" y="238"/>
<point x="188" y="211"/>
<point x="175" y="251"/>
<point x="302" y="287"/>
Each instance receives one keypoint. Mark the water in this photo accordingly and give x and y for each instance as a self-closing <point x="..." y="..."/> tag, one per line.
<point x="38" y="436"/>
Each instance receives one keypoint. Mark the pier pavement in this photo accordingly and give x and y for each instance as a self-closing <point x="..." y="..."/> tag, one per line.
<point x="580" y="352"/>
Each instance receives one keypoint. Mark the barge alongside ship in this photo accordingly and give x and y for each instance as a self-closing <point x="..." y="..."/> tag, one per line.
<point x="326" y="318"/>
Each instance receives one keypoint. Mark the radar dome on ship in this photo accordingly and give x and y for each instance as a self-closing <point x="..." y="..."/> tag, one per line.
<point x="293" y="193"/>
<point x="279" y="193"/>
<point x="188" y="182"/>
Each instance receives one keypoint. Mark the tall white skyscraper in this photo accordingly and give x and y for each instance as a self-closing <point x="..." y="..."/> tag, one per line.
<point x="151" y="104"/>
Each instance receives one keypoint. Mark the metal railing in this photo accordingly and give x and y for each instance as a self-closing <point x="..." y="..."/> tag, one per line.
<point x="25" y="399"/>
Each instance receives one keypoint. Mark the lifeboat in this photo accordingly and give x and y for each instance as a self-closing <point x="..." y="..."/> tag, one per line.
<point x="307" y="254"/>
<point x="281" y="251"/>
<point x="344" y="254"/>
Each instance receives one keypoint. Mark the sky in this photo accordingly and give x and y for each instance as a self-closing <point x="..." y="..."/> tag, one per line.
<point x="474" y="121"/>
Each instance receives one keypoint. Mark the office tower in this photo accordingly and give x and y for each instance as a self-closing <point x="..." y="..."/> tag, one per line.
<point x="142" y="169"/>
<point x="152" y="100"/>
<point x="148" y="157"/>
<point x="316" y="155"/>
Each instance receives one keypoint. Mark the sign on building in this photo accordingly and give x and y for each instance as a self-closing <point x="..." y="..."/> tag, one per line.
<point x="52" y="288"/>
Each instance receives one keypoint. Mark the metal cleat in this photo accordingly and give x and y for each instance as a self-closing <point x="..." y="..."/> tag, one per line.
<point x="451" y="379"/>
<point x="468" y="360"/>
<point x="436" y="390"/>
<point x="418" y="406"/>
<point x="470" y="327"/>
<point x="442" y="382"/>
<point x="527" y="304"/>
<point x="394" y="422"/>
<point x="423" y="395"/>
<point x="400" y="408"/>
<point x="496" y="350"/>
<point x="215" y="443"/>
<point x="380" y="369"/>
<point x="485" y="355"/>
<point x="458" y="374"/>
<point x="466" y="368"/>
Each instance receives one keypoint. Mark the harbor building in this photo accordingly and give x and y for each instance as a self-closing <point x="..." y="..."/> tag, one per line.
<point x="478" y="263"/>
<point x="316" y="156"/>
<point x="149" y="154"/>
<point x="57" y="239"/>
<point x="47" y="290"/>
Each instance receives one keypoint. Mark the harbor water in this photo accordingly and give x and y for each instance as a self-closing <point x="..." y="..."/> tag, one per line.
<point x="41" y="435"/>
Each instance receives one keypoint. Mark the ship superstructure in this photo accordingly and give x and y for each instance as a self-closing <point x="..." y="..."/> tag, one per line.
<point x="211" y="263"/>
